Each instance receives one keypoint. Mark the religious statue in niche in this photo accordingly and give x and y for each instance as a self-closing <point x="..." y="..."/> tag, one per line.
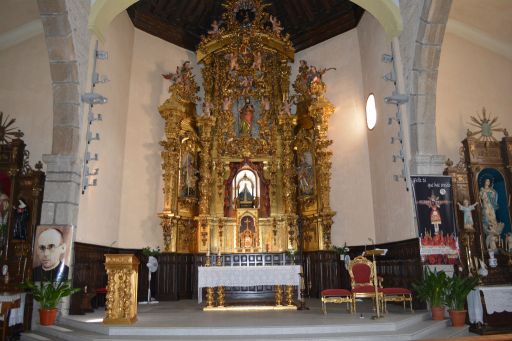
<point x="4" y="217"/>
<point x="188" y="175"/>
<point x="489" y="200"/>
<point x="247" y="118"/>
<point x="434" y="204"/>
<point x="21" y="215"/>
<point x="305" y="174"/>
<point x="466" y="208"/>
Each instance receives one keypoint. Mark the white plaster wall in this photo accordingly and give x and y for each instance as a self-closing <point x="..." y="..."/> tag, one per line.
<point x="351" y="184"/>
<point x="26" y="93"/>
<point x="470" y="77"/>
<point x="392" y="204"/>
<point x="100" y="206"/>
<point x="141" y="197"/>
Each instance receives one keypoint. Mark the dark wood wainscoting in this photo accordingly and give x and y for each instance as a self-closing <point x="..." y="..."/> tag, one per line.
<point x="322" y="270"/>
<point x="176" y="277"/>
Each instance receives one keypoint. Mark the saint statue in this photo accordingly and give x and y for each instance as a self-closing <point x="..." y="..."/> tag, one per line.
<point x="4" y="217"/>
<point x="467" y="209"/>
<point x="189" y="174"/>
<point x="489" y="199"/>
<point x="246" y="116"/>
<point x="305" y="174"/>
<point x="20" y="221"/>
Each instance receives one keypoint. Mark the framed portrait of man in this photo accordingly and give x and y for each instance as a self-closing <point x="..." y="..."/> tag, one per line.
<point x="52" y="253"/>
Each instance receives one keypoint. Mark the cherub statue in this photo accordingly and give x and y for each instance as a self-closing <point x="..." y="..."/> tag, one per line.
<point x="276" y="25"/>
<point x="207" y="109"/>
<point x="287" y="106"/>
<point x="246" y="83"/>
<point x="173" y="77"/>
<point x="226" y="103"/>
<point x="256" y="65"/>
<point x="215" y="28"/>
<point x="233" y="61"/>
<point x="265" y="103"/>
<point x="468" y="219"/>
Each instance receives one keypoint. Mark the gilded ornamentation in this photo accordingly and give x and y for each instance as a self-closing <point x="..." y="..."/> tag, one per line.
<point x="121" y="299"/>
<point x="248" y="125"/>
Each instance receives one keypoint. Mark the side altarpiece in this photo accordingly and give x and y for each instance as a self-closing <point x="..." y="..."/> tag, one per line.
<point x="239" y="176"/>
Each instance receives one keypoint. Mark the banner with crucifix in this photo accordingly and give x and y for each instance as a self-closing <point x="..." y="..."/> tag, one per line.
<point x="436" y="219"/>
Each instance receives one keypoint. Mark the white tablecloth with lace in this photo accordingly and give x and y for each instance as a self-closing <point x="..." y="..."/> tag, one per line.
<point x="247" y="276"/>
<point x="497" y="299"/>
<point x="17" y="313"/>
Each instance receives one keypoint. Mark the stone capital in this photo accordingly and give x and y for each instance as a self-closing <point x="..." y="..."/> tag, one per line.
<point x="425" y="164"/>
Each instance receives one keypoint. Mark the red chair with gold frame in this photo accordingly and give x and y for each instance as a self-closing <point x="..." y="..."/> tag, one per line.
<point x="397" y="295"/>
<point x="336" y="296"/>
<point x="362" y="274"/>
<point x="5" y="313"/>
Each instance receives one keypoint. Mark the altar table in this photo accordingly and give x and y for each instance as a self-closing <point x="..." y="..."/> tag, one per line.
<point x="247" y="276"/>
<point x="497" y="299"/>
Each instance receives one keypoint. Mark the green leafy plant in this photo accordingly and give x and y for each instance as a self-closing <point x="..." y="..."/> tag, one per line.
<point x="458" y="289"/>
<point x="341" y="250"/>
<point x="433" y="287"/>
<point x="49" y="294"/>
<point x="147" y="251"/>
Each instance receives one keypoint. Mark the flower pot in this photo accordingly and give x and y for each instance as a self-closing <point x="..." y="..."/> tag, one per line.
<point x="458" y="317"/>
<point x="47" y="316"/>
<point x="437" y="313"/>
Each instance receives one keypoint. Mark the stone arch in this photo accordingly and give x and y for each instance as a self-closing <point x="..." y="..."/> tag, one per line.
<point x="67" y="41"/>
<point x="422" y="84"/>
<point x="386" y="12"/>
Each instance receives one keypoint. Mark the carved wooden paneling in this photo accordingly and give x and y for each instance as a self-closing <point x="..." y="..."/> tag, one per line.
<point x="322" y="270"/>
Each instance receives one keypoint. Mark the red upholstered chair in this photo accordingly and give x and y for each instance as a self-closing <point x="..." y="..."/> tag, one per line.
<point x="336" y="296"/>
<point x="362" y="275"/>
<point x="397" y="295"/>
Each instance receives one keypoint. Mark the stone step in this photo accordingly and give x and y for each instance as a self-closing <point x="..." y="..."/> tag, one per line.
<point x="419" y="330"/>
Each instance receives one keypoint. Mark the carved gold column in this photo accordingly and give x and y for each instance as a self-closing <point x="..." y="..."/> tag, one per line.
<point x="121" y="300"/>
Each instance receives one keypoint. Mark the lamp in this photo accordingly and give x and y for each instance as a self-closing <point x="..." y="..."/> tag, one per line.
<point x="371" y="112"/>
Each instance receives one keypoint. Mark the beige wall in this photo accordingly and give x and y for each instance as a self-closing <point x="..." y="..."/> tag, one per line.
<point x="392" y="204"/>
<point x="100" y="206"/>
<point x="351" y="193"/>
<point x="470" y="77"/>
<point x="26" y="93"/>
<point x="141" y="197"/>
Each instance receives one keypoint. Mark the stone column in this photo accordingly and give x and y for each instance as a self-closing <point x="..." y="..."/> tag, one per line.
<point x="420" y="45"/>
<point x="65" y="24"/>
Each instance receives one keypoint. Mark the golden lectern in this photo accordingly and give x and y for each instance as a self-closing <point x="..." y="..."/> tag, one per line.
<point x="121" y="302"/>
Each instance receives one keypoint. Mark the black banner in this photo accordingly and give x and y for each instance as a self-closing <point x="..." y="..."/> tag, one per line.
<point x="436" y="219"/>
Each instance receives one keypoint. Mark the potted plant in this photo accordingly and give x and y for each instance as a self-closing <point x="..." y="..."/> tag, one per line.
<point x="49" y="295"/>
<point x="432" y="290"/>
<point x="458" y="289"/>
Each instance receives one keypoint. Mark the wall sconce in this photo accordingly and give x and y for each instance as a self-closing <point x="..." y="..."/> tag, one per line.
<point x="93" y="98"/>
<point x="371" y="112"/>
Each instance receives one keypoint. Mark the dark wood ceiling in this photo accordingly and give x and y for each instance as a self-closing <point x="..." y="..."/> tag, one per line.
<point x="182" y="22"/>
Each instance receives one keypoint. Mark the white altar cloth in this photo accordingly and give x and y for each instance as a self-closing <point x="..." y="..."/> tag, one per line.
<point x="17" y="313"/>
<point x="246" y="276"/>
<point x="497" y="299"/>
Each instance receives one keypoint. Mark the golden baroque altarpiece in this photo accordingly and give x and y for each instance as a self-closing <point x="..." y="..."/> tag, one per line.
<point x="238" y="176"/>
